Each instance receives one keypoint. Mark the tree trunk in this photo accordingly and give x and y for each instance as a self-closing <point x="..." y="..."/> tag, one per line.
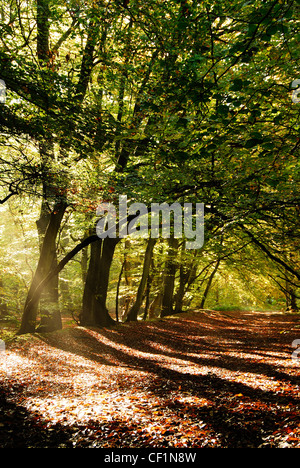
<point x="291" y="299"/>
<point x="45" y="265"/>
<point x="187" y="275"/>
<point x="169" y="279"/>
<point x="89" y="288"/>
<point x="155" y="306"/>
<point x="33" y="301"/>
<point x="148" y="291"/>
<point x="101" y="314"/>
<point x="3" y="305"/>
<point x="43" y="28"/>
<point x="209" y="283"/>
<point x="128" y="266"/>
<point x="118" y="291"/>
<point x="45" y="281"/>
<point x="49" y="303"/>
<point x="46" y="225"/>
<point x="133" y="314"/>
<point x="181" y="290"/>
<point x="94" y="310"/>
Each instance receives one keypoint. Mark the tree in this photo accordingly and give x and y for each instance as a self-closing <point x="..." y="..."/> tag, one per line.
<point x="94" y="311"/>
<point x="165" y="101"/>
<point x="133" y="313"/>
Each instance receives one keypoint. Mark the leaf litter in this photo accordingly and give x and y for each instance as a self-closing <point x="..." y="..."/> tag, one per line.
<point x="196" y="380"/>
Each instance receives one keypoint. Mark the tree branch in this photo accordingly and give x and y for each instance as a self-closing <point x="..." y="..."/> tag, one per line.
<point x="269" y="254"/>
<point x="38" y="291"/>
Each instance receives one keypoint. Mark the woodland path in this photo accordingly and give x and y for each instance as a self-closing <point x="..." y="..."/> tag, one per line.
<point x="204" y="379"/>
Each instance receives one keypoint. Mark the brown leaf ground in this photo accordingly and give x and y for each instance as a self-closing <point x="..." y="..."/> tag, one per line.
<point x="204" y="379"/>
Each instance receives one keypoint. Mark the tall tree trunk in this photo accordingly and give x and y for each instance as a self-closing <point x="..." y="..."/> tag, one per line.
<point x="49" y="304"/>
<point x="45" y="265"/>
<point x="94" y="310"/>
<point x="209" y="283"/>
<point x="3" y="305"/>
<point x="181" y="290"/>
<point x="86" y="317"/>
<point x="34" y="298"/>
<point x="187" y="275"/>
<point x="133" y="313"/>
<point x="101" y="314"/>
<point x="118" y="291"/>
<point x="42" y="285"/>
<point x="48" y="223"/>
<point x="148" y="291"/>
<point x="290" y="295"/>
<point x="292" y="305"/>
<point x="169" y="279"/>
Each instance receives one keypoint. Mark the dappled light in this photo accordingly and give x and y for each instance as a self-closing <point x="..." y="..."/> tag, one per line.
<point x="149" y="224"/>
<point x="178" y="382"/>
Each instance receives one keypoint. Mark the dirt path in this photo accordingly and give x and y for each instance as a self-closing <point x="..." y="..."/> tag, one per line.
<point x="202" y="380"/>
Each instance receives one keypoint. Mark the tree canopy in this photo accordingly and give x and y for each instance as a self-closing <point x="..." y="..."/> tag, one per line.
<point x="167" y="101"/>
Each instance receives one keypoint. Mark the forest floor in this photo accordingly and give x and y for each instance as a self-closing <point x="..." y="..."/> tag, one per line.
<point x="198" y="380"/>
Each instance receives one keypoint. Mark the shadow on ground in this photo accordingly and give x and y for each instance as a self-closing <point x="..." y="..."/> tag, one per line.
<point x="240" y="365"/>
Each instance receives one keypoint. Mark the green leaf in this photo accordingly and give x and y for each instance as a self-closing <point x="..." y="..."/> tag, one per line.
<point x="223" y="109"/>
<point x="238" y="85"/>
<point x="252" y="28"/>
<point x="253" y="142"/>
<point x="182" y="122"/>
<point x="181" y="155"/>
<point x="272" y="30"/>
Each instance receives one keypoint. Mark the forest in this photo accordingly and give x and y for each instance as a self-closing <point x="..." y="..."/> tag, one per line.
<point x="169" y="107"/>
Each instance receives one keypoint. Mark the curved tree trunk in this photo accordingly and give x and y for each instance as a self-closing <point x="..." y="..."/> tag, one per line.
<point x="45" y="265"/>
<point x="33" y="300"/>
<point x="133" y="313"/>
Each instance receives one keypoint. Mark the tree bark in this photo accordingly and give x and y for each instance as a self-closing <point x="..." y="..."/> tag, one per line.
<point x="43" y="28"/>
<point x="87" y="301"/>
<point x="101" y="314"/>
<point x="94" y="310"/>
<point x="45" y="265"/>
<point x="291" y="301"/>
<point x="270" y="255"/>
<point x="209" y="283"/>
<point x="290" y="293"/>
<point x="34" y="298"/>
<point x="49" y="222"/>
<point x="133" y="313"/>
<point x="183" y="278"/>
<point x="169" y="280"/>
<point x="118" y="291"/>
<point x="49" y="301"/>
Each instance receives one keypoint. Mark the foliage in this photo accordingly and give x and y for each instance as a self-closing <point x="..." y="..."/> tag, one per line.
<point x="162" y="101"/>
<point x="168" y="101"/>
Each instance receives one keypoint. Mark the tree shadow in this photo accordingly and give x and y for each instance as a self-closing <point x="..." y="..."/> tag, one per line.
<point x="214" y="348"/>
<point x="19" y="428"/>
<point x="150" y="348"/>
